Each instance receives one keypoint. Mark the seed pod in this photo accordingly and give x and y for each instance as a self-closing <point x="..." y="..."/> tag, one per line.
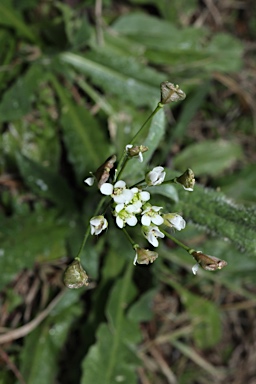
<point x="207" y="262"/>
<point x="75" y="276"/>
<point x="103" y="172"/>
<point x="171" y="92"/>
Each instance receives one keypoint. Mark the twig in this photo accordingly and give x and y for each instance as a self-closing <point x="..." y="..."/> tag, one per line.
<point x="4" y="356"/>
<point x="163" y="366"/>
<point x="29" y="327"/>
<point x="98" y="21"/>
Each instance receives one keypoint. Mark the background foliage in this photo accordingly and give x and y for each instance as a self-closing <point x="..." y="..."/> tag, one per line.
<point x="77" y="79"/>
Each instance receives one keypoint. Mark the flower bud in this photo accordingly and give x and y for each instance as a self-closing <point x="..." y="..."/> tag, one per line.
<point x="174" y="220"/>
<point x="156" y="176"/>
<point x="187" y="180"/>
<point x="75" y="276"/>
<point x="136" y="150"/>
<point x="98" y="224"/>
<point x="207" y="262"/>
<point x="171" y="92"/>
<point x="144" y="256"/>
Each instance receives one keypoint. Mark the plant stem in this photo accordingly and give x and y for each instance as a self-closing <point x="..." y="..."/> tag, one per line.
<point x="158" y="107"/>
<point x="130" y="239"/>
<point x="124" y="157"/>
<point x="88" y="228"/>
<point x="176" y="241"/>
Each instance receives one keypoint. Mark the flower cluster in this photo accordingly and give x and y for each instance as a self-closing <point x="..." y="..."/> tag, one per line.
<point x="131" y="205"/>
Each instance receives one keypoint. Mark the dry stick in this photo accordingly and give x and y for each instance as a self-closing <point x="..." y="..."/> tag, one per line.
<point x="27" y="328"/>
<point x="4" y="356"/>
<point x="166" y="370"/>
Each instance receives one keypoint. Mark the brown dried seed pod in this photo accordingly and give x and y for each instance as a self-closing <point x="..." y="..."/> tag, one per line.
<point x="75" y="276"/>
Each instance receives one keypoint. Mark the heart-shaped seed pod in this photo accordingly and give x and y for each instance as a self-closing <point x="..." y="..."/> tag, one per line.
<point x="75" y="276"/>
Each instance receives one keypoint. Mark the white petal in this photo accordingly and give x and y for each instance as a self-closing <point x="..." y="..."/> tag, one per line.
<point x="178" y="222"/>
<point x="153" y="240"/>
<point x="145" y="220"/>
<point x="92" y="230"/>
<point x="158" y="233"/>
<point x="120" y="184"/>
<point x="95" y="221"/>
<point x="89" y="181"/>
<point x="156" y="208"/>
<point x="119" y="199"/>
<point x="195" y="268"/>
<point x="119" y="207"/>
<point x="135" y="259"/>
<point x="119" y="222"/>
<point x="135" y="190"/>
<point x="157" y="220"/>
<point x="106" y="189"/>
<point x="144" y="196"/>
<point x="140" y="157"/>
<point x="158" y="170"/>
<point x="132" y="221"/>
<point x="128" y="146"/>
<point x="131" y="208"/>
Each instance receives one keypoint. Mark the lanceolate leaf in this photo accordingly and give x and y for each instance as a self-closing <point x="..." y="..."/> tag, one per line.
<point x="119" y="75"/>
<point x="27" y="238"/>
<point x="17" y="101"/>
<point x="112" y="359"/>
<point x="46" y="183"/>
<point x="11" y="18"/>
<point x="213" y="211"/>
<point x="83" y="135"/>
<point x="42" y="349"/>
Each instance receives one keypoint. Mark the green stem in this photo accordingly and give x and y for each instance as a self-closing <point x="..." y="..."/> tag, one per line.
<point x="158" y="107"/>
<point x="176" y="241"/>
<point x="88" y="228"/>
<point x="134" y="245"/>
<point x="124" y="158"/>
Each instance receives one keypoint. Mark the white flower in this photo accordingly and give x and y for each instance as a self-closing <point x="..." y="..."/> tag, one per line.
<point x="98" y="224"/>
<point x="118" y="191"/>
<point x="139" y="198"/>
<point x="150" y="214"/>
<point x="140" y="195"/>
<point x="89" y="181"/>
<point x="195" y="268"/>
<point x="156" y="176"/>
<point x="152" y="233"/>
<point x="125" y="215"/>
<point x="174" y="220"/>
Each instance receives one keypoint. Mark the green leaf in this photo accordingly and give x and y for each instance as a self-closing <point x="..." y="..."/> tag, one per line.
<point x="41" y="352"/>
<point x="112" y="359"/>
<point x="118" y="75"/>
<point x="166" y="190"/>
<point x="142" y="309"/>
<point x="30" y="238"/>
<point x="11" y="18"/>
<point x="83" y="136"/>
<point x="209" y="157"/>
<point x="17" y="101"/>
<point x="217" y="214"/>
<point x="240" y="185"/>
<point x="186" y="48"/>
<point x="46" y="183"/>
